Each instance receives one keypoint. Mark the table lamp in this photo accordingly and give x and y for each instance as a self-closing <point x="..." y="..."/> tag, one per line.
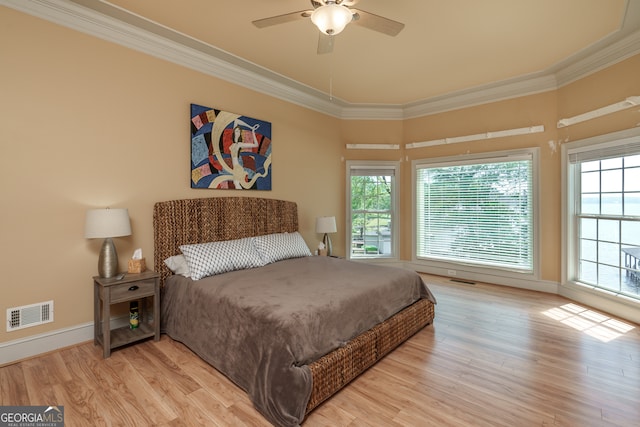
<point x="326" y="225"/>
<point x="107" y="223"/>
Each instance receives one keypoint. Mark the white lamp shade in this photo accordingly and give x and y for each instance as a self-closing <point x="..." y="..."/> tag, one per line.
<point x="331" y="18"/>
<point x="103" y="223"/>
<point x="326" y="224"/>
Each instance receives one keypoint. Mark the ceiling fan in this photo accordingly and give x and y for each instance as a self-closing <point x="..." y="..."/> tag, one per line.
<point x="331" y="17"/>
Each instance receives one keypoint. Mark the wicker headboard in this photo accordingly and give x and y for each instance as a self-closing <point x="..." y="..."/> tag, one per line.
<point x="179" y="222"/>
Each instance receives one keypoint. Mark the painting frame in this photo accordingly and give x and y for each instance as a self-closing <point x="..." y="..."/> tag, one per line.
<point x="229" y="151"/>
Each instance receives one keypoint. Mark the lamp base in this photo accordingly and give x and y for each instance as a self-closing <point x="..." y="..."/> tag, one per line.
<point x="327" y="243"/>
<point x="108" y="260"/>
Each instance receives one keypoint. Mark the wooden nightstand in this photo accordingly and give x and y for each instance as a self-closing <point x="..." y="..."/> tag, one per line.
<point x="132" y="287"/>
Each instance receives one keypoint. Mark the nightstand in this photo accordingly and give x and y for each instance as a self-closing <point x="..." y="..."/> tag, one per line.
<point x="143" y="286"/>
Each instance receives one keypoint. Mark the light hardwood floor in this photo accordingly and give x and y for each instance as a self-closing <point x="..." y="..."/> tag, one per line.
<point x="494" y="356"/>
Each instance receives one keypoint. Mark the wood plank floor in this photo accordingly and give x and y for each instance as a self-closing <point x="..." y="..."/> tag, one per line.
<point x="494" y="356"/>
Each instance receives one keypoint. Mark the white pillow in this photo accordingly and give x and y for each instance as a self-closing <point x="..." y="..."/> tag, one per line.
<point x="178" y="265"/>
<point x="279" y="246"/>
<point x="208" y="259"/>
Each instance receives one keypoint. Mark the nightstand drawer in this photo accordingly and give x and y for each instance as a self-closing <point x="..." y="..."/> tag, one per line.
<point x="130" y="291"/>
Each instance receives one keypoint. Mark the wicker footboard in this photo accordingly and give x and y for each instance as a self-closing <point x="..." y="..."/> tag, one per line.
<point x="338" y="368"/>
<point x="179" y="222"/>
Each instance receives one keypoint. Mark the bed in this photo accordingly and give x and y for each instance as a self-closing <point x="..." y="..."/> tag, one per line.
<point x="283" y="343"/>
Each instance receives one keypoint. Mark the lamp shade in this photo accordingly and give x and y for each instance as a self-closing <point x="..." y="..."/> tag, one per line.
<point x="326" y="224"/>
<point x="103" y="223"/>
<point x="331" y="18"/>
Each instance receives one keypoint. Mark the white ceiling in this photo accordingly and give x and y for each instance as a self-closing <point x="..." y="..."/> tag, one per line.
<point x="448" y="48"/>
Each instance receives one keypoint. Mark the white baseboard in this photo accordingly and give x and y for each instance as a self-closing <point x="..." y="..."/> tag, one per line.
<point x="514" y="282"/>
<point x="618" y="305"/>
<point x="24" y="348"/>
<point x="13" y="351"/>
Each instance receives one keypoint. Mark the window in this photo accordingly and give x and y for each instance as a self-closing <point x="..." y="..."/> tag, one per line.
<point x="603" y="215"/>
<point x="478" y="211"/>
<point x="372" y="209"/>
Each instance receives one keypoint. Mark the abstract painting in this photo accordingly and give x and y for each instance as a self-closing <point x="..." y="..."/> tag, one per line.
<point x="229" y="151"/>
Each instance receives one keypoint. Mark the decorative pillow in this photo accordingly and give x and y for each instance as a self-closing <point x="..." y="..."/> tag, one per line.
<point x="279" y="246"/>
<point x="178" y="265"/>
<point x="208" y="259"/>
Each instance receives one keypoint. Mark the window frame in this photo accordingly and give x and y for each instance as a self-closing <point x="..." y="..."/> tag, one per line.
<point x="570" y="220"/>
<point x="449" y="268"/>
<point x="395" y="208"/>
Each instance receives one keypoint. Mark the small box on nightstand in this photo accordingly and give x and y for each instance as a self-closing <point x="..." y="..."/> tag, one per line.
<point x="137" y="266"/>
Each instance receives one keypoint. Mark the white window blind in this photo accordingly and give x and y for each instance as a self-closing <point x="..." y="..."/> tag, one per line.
<point x="372" y="171"/>
<point x="476" y="212"/>
<point x="604" y="151"/>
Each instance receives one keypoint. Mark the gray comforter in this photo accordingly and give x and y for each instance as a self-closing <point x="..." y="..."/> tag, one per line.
<point x="262" y="326"/>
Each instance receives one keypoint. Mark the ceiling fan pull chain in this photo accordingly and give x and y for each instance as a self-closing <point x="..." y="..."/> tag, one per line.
<point x="331" y="78"/>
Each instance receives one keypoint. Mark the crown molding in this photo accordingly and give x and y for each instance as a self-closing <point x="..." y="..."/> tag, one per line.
<point x="112" y="24"/>
<point x="108" y="22"/>
<point x="372" y="112"/>
<point x="600" y="59"/>
<point x="499" y="91"/>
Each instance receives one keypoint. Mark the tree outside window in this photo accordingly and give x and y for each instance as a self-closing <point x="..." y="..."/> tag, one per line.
<point x="372" y="208"/>
<point x="476" y="212"/>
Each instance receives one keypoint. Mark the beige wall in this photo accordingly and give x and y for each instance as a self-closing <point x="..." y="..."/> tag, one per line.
<point x="597" y="90"/>
<point x="511" y="114"/>
<point x="602" y="88"/>
<point x="86" y="123"/>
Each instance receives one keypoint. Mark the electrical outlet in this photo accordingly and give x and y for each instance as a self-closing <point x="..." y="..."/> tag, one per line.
<point x="451" y="272"/>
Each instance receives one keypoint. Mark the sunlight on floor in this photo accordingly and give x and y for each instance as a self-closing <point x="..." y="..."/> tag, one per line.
<point x="588" y="321"/>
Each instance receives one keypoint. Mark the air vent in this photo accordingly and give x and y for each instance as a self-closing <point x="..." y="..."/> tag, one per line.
<point x="29" y="315"/>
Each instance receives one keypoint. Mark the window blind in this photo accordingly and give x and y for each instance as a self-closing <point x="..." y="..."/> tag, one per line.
<point x="604" y="151"/>
<point x="372" y="171"/>
<point x="477" y="213"/>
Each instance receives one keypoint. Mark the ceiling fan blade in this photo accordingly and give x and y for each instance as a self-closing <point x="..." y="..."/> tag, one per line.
<point x="377" y="23"/>
<point x="325" y="43"/>
<point x="282" y="19"/>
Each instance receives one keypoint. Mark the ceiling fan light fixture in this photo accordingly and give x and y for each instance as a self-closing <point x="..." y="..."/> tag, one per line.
<point x="331" y="18"/>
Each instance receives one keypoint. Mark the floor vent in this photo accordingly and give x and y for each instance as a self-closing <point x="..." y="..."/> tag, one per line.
<point x="29" y="315"/>
<point x="466" y="282"/>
